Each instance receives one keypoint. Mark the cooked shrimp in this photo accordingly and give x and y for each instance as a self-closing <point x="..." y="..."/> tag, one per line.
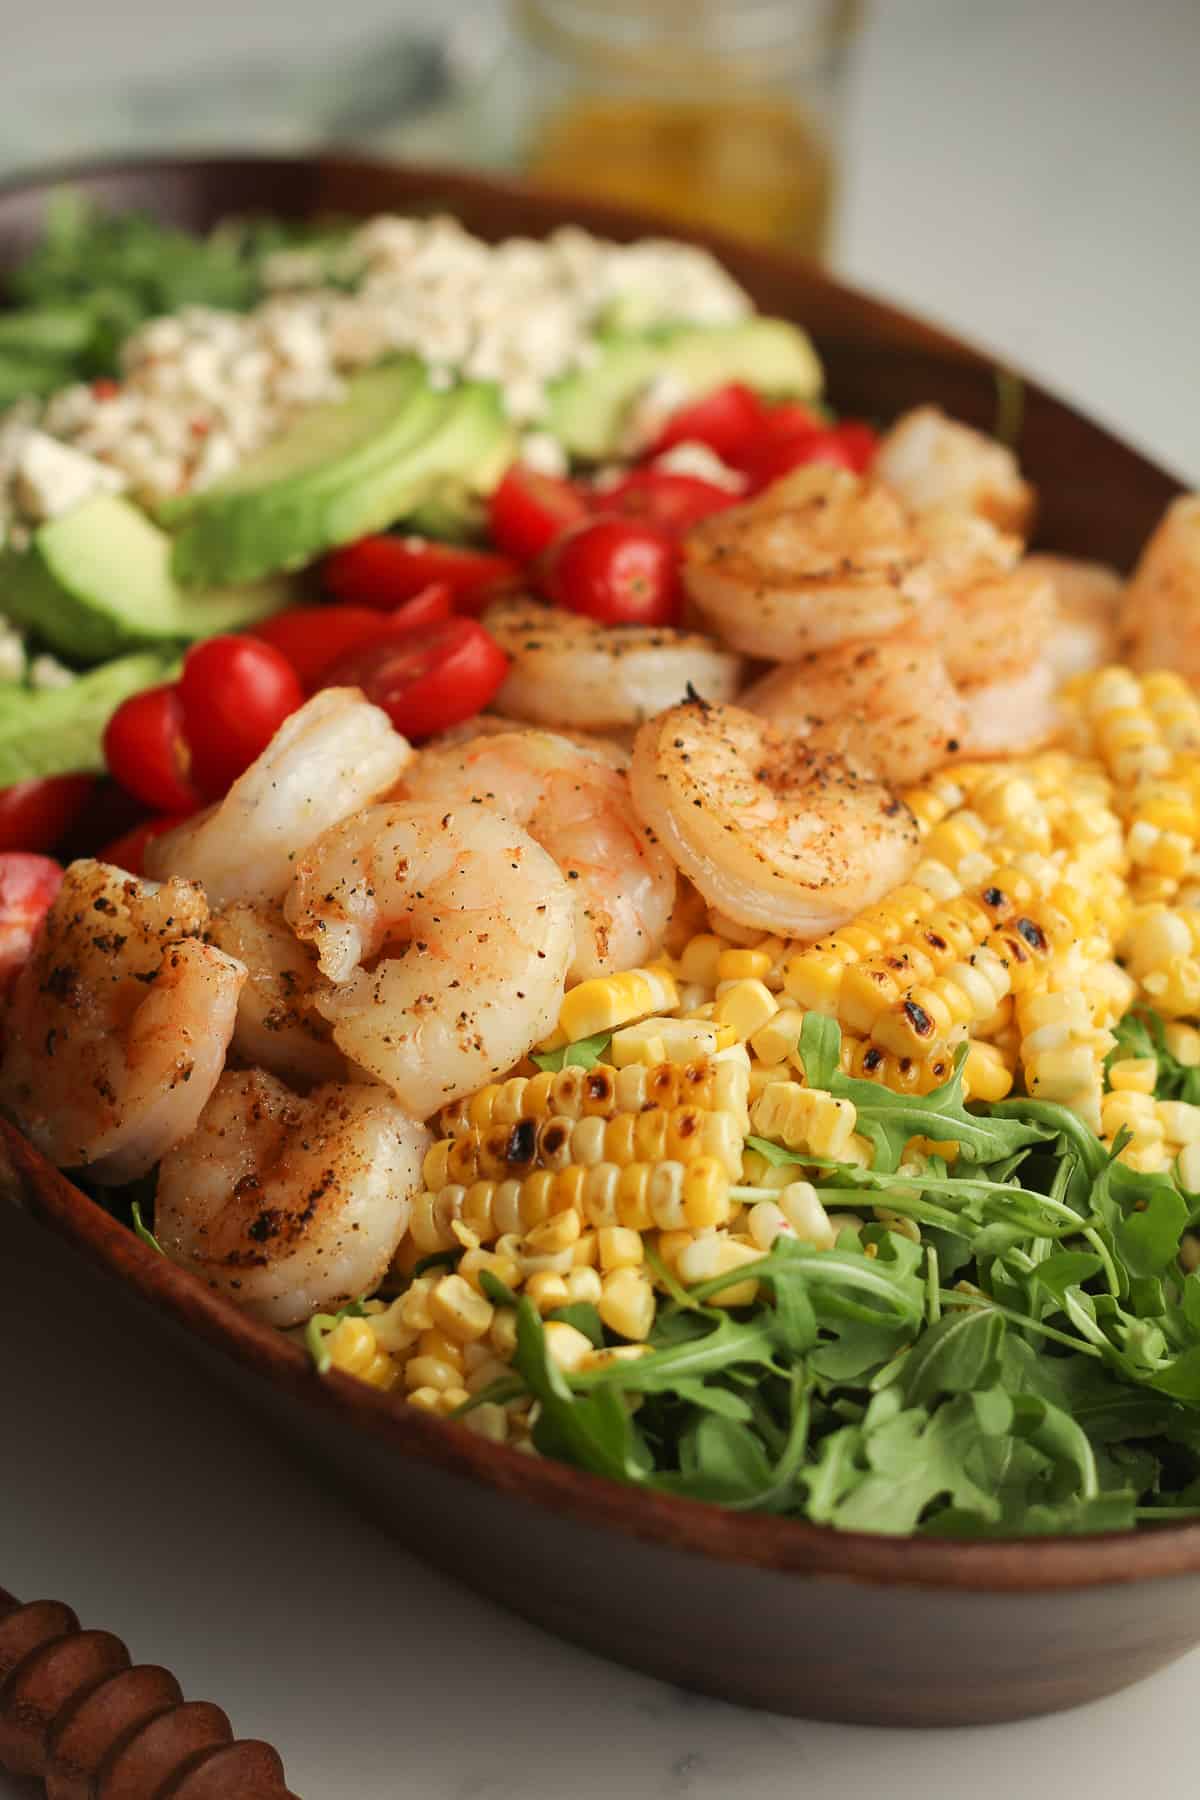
<point x="568" y="670"/>
<point x="772" y="832"/>
<point x="1013" y="715"/>
<point x="821" y="556"/>
<point x="327" y="761"/>
<point x="1160" y="615"/>
<point x="447" y="934"/>
<point x="278" y="1026"/>
<point x="612" y="750"/>
<point x="286" y="1205"/>
<point x="996" y="628"/>
<point x="889" y="707"/>
<point x="577" y="808"/>
<point x="118" y="1023"/>
<point x="933" y="462"/>
<point x="1088" y="595"/>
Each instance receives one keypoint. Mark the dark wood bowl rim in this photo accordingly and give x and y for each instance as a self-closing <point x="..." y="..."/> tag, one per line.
<point x="788" y="1546"/>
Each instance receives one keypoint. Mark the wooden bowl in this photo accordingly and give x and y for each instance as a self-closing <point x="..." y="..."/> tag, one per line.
<point x="765" y="1611"/>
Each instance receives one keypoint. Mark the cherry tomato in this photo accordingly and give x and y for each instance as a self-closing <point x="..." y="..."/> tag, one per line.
<point x="726" y="420"/>
<point x="426" y="680"/>
<point x="129" y="850"/>
<point x="791" y="418"/>
<point x="676" y="502"/>
<point x="860" y="441"/>
<point x="620" y="571"/>
<point x="28" y="885"/>
<point x="34" y="815"/>
<point x="776" y="458"/>
<point x="235" y="693"/>
<point x="382" y="571"/>
<point x="430" y="607"/>
<point x="313" y="637"/>
<point x="528" y="511"/>
<point x="147" y="752"/>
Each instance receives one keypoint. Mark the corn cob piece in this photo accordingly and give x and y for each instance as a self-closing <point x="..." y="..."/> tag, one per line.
<point x="717" y="1082"/>
<point x="1161" y="950"/>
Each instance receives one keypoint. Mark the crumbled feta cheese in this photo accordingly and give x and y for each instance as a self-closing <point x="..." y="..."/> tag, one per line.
<point x="541" y="451"/>
<point x="12" y="653"/>
<point x="662" y="395"/>
<point x="46" y="671"/>
<point x="50" y="478"/>
<point x="695" y="458"/>
<point x="203" y="388"/>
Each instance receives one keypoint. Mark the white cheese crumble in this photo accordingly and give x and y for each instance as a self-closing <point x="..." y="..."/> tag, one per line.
<point x="203" y="387"/>
<point x="694" y="458"/>
<point x="45" y="671"/>
<point x="12" y="653"/>
<point x="50" y="477"/>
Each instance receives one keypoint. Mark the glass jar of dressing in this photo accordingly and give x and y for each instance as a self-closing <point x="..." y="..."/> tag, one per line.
<point x="709" y="112"/>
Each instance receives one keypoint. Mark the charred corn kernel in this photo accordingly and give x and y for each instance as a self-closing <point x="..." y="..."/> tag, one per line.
<point x="558" y="1232"/>
<point x="717" y="1254"/>
<point x="583" y="1286"/>
<point x="700" y="959"/>
<point x="743" y="965"/>
<point x="619" y="1248"/>
<point x="488" y="1421"/>
<point x="612" y="1357"/>
<point x="503" y="1268"/>
<point x="744" y="1006"/>
<point x="1189" y="1168"/>
<point x="626" y="1303"/>
<point x="547" y="1290"/>
<point x="606" y="1001"/>
<point x="1183" y="1041"/>
<point x="502" y="1333"/>
<point x="583" y="1252"/>
<point x="459" y="1311"/>
<point x="1180" y="1120"/>
<point x="986" y="1073"/>
<point x="706" y="1183"/>
<point x="804" y="1119"/>
<point x="352" y="1348"/>
<point x="677" y="1041"/>
<point x="801" y="1206"/>
<point x="1133" y="1075"/>
<point x="431" y="1372"/>
<point x="564" y="1345"/>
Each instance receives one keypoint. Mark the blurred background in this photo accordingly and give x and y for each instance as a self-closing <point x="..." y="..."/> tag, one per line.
<point x="1022" y="170"/>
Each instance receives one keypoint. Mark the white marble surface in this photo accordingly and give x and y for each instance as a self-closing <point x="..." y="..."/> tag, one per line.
<point x="1025" y="173"/>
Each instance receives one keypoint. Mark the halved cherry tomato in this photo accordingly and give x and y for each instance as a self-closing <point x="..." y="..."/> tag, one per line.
<point x="791" y="418"/>
<point x="28" y="885"/>
<point x="726" y="420"/>
<point x="426" y="680"/>
<point x="313" y="637"/>
<point x="382" y="571"/>
<point x="429" y="607"/>
<point x="620" y="571"/>
<point x="129" y="850"/>
<point x="528" y="511"/>
<point x="676" y="502"/>
<point x="34" y="815"/>
<point x="235" y="693"/>
<point x="860" y="441"/>
<point x="147" y="752"/>
<point x="778" y="457"/>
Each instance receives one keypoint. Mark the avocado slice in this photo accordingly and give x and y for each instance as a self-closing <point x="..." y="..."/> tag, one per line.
<point x="98" y="580"/>
<point x="60" y="731"/>
<point x="589" y="409"/>
<point x="343" y="470"/>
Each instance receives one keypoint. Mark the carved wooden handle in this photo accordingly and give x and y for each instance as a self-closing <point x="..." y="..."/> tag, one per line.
<point x="74" y="1711"/>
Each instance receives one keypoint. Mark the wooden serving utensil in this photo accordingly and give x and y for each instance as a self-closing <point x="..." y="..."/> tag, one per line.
<point x="77" y="1713"/>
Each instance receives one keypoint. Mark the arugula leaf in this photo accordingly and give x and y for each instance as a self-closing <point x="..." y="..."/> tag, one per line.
<point x="958" y="1354"/>
<point x="913" y="1460"/>
<point x="592" y="1431"/>
<point x="584" y="1317"/>
<point x="584" y="1053"/>
<point x="1143" y="1033"/>
<point x="143" y="1230"/>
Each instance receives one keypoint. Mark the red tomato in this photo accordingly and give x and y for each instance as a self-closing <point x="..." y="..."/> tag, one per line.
<point x="146" y="751"/>
<point x="34" y="815"/>
<point x="28" y="885"/>
<point x="620" y="571"/>
<point x="427" y="680"/>
<point x="676" y="502"/>
<point x="860" y="442"/>
<point x="313" y="637"/>
<point x="430" y="607"/>
<point x="778" y="457"/>
<point x="382" y="571"/>
<point x="726" y="420"/>
<point x="129" y="850"/>
<point x="235" y="693"/>
<point x="791" y="418"/>
<point x="528" y="511"/>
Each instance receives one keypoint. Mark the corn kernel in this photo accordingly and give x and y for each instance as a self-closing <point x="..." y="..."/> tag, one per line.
<point x="427" y="1399"/>
<point x="557" y="1233"/>
<point x="502" y="1335"/>
<point x="430" y="1372"/>
<point x="700" y="959"/>
<point x="801" y="1206"/>
<point x="619" y="1248"/>
<point x="504" y="1268"/>
<point x="488" y="1421"/>
<point x="743" y="965"/>
<point x="744" y="1006"/>
<point x="461" y="1312"/>
<point x="547" y="1290"/>
<point x="1179" y="1120"/>
<point x="583" y="1286"/>
<point x="986" y="1073"/>
<point x="627" y="1303"/>
<point x="436" y="1343"/>
<point x="564" y="1345"/>
<point x="716" y="1254"/>
<point x="1133" y="1075"/>
<point x="1183" y="1041"/>
<point x="583" y="1253"/>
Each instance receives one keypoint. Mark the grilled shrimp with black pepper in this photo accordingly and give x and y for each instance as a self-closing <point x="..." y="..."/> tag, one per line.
<point x="445" y="933"/>
<point x="118" y="1024"/>
<point x="773" y="832"/>
<point x="287" y="1204"/>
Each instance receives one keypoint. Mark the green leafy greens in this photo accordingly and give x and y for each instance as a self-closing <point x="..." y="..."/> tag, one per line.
<point x="1031" y="1365"/>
